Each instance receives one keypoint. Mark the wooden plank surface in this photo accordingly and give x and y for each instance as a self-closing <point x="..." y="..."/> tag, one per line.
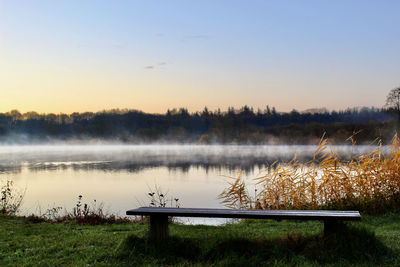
<point x="251" y="214"/>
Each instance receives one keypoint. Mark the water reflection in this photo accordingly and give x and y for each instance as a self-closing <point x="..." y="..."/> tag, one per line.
<point x="136" y="158"/>
<point x="132" y="167"/>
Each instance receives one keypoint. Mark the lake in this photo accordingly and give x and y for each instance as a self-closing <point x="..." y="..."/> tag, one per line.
<point x="121" y="176"/>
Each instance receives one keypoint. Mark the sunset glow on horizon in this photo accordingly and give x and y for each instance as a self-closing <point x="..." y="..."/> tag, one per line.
<point x="77" y="56"/>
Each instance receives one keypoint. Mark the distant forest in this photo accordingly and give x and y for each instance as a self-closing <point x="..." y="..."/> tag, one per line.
<point x="234" y="126"/>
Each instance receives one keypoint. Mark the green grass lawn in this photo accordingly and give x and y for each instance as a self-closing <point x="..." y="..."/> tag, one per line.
<point x="374" y="241"/>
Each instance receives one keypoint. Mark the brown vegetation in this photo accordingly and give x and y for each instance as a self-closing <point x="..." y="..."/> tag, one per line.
<point x="370" y="183"/>
<point x="10" y="198"/>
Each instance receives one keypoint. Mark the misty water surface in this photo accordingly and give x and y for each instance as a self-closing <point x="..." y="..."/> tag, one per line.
<point x="121" y="176"/>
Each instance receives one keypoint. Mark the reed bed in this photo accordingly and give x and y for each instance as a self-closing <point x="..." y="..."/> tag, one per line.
<point x="369" y="183"/>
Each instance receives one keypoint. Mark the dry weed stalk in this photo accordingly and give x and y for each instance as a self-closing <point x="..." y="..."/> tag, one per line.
<point x="10" y="198"/>
<point x="370" y="182"/>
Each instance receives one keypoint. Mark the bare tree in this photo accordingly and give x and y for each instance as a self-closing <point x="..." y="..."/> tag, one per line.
<point x="393" y="101"/>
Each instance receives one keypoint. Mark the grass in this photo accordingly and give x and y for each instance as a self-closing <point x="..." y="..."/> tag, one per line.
<point x="374" y="241"/>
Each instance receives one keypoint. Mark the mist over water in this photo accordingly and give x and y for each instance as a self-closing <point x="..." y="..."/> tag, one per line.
<point x="137" y="157"/>
<point x="120" y="176"/>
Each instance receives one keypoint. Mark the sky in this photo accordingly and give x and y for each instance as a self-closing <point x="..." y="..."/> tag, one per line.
<point x="76" y="56"/>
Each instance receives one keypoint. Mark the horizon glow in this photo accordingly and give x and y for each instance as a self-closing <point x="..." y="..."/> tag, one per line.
<point x="77" y="56"/>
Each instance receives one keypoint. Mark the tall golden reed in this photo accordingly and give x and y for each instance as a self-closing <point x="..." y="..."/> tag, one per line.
<point x="370" y="183"/>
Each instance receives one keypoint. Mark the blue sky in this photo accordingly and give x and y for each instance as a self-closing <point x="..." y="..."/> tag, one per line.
<point x="65" y="56"/>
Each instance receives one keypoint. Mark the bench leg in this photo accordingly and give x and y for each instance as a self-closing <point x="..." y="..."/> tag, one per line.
<point x="158" y="228"/>
<point x="331" y="226"/>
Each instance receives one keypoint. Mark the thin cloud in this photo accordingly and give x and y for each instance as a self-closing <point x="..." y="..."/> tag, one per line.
<point x="83" y="45"/>
<point x="197" y="36"/>
<point x="160" y="64"/>
<point x="117" y="45"/>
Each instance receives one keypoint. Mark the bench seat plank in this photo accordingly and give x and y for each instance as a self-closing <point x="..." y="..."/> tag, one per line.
<point x="251" y="214"/>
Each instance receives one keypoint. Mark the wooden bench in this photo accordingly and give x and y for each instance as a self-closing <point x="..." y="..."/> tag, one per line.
<point x="159" y="217"/>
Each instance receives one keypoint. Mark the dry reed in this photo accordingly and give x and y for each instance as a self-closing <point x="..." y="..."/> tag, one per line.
<point x="370" y="182"/>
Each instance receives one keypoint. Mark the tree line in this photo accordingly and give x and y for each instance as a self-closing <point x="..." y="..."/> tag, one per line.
<point x="244" y="125"/>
